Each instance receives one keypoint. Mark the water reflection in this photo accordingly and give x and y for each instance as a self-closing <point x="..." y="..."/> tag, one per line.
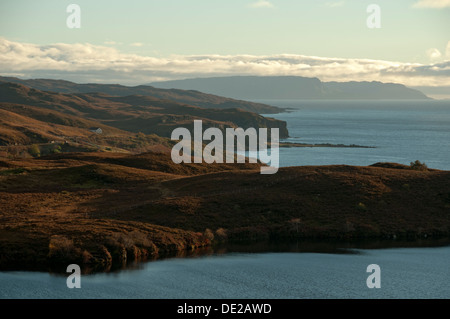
<point x="305" y="246"/>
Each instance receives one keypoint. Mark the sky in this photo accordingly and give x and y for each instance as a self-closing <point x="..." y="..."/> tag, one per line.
<point x="140" y="41"/>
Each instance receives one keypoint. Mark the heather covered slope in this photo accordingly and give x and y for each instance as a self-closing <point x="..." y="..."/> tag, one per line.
<point x="102" y="209"/>
<point x="134" y="113"/>
<point x="49" y="209"/>
<point x="190" y="97"/>
<point x="25" y="124"/>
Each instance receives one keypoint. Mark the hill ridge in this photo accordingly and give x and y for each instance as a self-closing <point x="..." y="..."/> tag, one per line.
<point x="190" y="97"/>
<point x="293" y="87"/>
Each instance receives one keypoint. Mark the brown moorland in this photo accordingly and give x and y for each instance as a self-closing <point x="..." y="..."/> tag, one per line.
<point x="105" y="209"/>
<point x="135" y="113"/>
<point x="190" y="97"/>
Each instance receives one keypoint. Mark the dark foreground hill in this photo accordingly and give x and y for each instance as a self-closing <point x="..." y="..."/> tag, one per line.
<point x="104" y="209"/>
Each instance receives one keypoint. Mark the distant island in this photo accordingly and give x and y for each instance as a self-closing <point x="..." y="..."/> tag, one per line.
<point x="293" y="88"/>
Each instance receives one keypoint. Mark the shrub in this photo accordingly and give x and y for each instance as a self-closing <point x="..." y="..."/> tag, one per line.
<point x="208" y="234"/>
<point x="56" y="149"/>
<point x="140" y="239"/>
<point x="118" y="240"/>
<point x="34" y="151"/>
<point x="221" y="234"/>
<point x="128" y="240"/>
<point x="62" y="249"/>
<point x="87" y="257"/>
<point x="418" y="166"/>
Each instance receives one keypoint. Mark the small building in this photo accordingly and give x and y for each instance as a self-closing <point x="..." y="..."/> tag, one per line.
<point x="97" y="130"/>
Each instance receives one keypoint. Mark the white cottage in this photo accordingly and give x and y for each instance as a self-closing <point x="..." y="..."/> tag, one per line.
<point x="97" y="130"/>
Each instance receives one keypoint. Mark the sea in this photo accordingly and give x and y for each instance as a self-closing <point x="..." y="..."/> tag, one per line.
<point x="397" y="131"/>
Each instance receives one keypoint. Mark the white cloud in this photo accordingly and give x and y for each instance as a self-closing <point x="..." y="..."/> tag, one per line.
<point x="334" y="4"/>
<point x="93" y="63"/>
<point x="137" y="44"/>
<point x="261" y="4"/>
<point x="434" y="54"/>
<point x="432" y="4"/>
<point x="447" y="50"/>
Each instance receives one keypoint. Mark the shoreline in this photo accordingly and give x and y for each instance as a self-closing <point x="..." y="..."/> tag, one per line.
<point x="103" y="210"/>
<point x="304" y="245"/>
<point x="293" y="144"/>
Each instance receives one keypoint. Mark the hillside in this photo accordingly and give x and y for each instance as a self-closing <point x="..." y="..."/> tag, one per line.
<point x="293" y="88"/>
<point x="23" y="127"/>
<point x="134" y="113"/>
<point x="181" y="96"/>
<point x="105" y="209"/>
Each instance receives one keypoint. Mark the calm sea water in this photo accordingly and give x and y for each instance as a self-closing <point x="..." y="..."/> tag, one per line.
<point x="401" y="131"/>
<point x="405" y="273"/>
